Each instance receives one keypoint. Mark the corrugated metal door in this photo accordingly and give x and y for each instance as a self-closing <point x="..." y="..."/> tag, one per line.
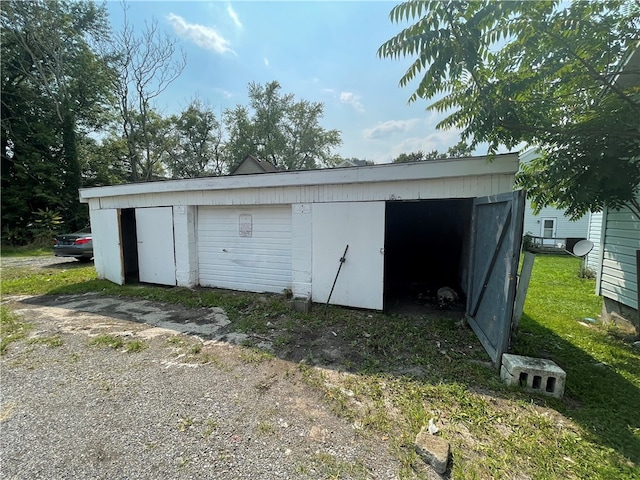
<point x="107" y="250"/>
<point x="245" y="248"/>
<point x="361" y="226"/>
<point x="495" y="251"/>
<point x="156" y="256"/>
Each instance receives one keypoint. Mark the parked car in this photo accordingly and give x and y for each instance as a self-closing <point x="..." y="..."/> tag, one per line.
<point x="78" y="245"/>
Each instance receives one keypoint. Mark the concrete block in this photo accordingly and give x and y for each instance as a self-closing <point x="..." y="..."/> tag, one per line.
<point x="533" y="374"/>
<point x="301" y="304"/>
<point x="433" y="450"/>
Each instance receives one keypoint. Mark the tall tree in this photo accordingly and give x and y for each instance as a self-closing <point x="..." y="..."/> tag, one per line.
<point x="280" y="129"/>
<point x="54" y="90"/>
<point x="543" y="73"/>
<point x="199" y="145"/>
<point x="146" y="64"/>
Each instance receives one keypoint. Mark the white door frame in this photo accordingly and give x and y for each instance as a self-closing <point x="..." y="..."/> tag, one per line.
<point x="549" y="240"/>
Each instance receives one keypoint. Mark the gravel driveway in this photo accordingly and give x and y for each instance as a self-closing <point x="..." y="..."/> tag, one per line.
<point x="180" y="408"/>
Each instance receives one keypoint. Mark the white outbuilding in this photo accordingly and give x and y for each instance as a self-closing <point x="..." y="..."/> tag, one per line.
<point x="454" y="223"/>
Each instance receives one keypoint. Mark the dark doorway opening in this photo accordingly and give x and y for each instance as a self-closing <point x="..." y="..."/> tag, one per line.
<point x="426" y="248"/>
<point x="129" y="244"/>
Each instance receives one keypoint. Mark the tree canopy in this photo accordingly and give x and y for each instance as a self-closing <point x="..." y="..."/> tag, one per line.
<point x="540" y="73"/>
<point x="279" y="129"/>
<point x="54" y="89"/>
<point x="459" y="150"/>
<point x="80" y="107"/>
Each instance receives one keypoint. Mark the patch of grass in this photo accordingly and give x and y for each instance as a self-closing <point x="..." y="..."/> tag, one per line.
<point x="185" y="424"/>
<point x="107" y="341"/>
<point x="51" y="342"/>
<point x="210" y="426"/>
<point x="25" y="251"/>
<point x="255" y="355"/>
<point x="12" y="328"/>
<point x="30" y="281"/>
<point x="330" y="467"/>
<point x="135" y="346"/>
<point x="495" y="431"/>
<point x="266" y="428"/>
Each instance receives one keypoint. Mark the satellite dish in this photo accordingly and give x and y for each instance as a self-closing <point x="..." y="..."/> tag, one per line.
<point x="582" y="248"/>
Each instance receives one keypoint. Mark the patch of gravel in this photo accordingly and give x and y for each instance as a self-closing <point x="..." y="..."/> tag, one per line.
<point x="84" y="411"/>
<point x="37" y="262"/>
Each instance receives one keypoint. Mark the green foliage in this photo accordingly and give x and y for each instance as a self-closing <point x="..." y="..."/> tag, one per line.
<point x="54" y="91"/>
<point x="198" y="149"/>
<point x="29" y="281"/>
<point x="279" y="129"/>
<point x="12" y="328"/>
<point x="46" y="225"/>
<point x="542" y="73"/>
<point x="459" y="150"/>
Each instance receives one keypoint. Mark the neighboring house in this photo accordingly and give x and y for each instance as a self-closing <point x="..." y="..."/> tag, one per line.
<point x="550" y="225"/>
<point x="617" y="236"/>
<point x="618" y="265"/>
<point x="353" y="162"/>
<point x="399" y="227"/>
<point x="251" y="165"/>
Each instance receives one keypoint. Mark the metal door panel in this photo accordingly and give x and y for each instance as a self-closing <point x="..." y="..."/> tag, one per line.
<point x="495" y="248"/>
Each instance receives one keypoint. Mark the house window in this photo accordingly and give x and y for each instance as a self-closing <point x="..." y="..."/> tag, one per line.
<point x="549" y="227"/>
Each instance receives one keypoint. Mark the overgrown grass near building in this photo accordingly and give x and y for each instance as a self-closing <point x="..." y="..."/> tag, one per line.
<point x="402" y="370"/>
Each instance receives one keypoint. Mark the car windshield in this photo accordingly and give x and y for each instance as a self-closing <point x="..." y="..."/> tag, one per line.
<point x="85" y="230"/>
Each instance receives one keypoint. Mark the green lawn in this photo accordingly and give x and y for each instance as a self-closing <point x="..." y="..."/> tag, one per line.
<point x="494" y="431"/>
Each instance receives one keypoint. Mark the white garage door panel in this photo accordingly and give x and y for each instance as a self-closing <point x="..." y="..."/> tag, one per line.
<point x="259" y="263"/>
<point x="361" y="226"/>
<point x="156" y="255"/>
<point x="105" y="225"/>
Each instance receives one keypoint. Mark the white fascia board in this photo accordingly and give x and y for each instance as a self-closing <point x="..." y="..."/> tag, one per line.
<point x="529" y="154"/>
<point x="463" y="167"/>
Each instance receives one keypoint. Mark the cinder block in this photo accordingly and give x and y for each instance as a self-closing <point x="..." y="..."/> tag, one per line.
<point x="533" y="374"/>
<point x="301" y="304"/>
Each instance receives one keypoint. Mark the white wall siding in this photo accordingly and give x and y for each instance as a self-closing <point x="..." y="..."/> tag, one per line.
<point x="457" y="187"/>
<point x="301" y="249"/>
<point x="259" y="261"/>
<point x="594" y="234"/>
<point x="618" y="277"/>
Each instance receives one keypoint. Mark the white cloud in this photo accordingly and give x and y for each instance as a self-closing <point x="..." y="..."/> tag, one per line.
<point x="440" y="140"/>
<point x="266" y="62"/>
<point x="352" y="99"/>
<point x="234" y="16"/>
<point x="202" y="36"/>
<point x="223" y="92"/>
<point x="388" y="128"/>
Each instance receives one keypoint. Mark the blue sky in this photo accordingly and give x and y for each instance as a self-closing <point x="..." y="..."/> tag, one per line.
<point x="318" y="51"/>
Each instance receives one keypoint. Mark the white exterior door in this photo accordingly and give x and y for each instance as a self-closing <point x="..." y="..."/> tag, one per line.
<point x="548" y="230"/>
<point x="361" y="226"/>
<point x="107" y="250"/>
<point x="245" y="248"/>
<point x="156" y="256"/>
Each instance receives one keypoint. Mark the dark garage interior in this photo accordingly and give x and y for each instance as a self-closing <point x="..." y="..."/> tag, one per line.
<point x="426" y="248"/>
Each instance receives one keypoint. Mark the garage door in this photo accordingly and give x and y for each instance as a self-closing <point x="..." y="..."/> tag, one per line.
<point x="245" y="248"/>
<point x="360" y="225"/>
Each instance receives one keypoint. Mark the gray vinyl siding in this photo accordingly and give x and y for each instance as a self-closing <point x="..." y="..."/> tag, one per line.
<point x="618" y="278"/>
